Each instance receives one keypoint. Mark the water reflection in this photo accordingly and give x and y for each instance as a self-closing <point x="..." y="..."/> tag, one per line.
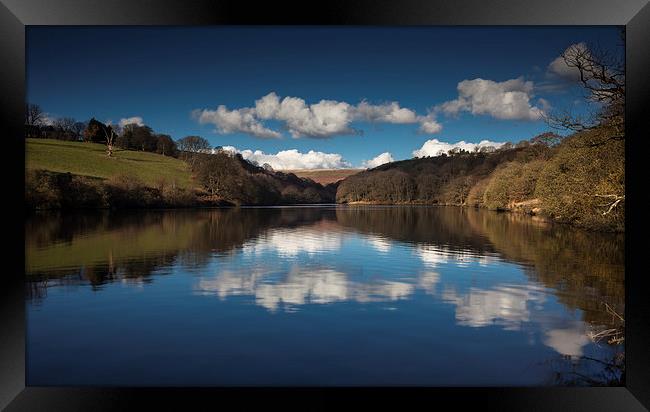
<point x="289" y="243"/>
<point x="568" y="341"/>
<point x="301" y="286"/>
<point x="523" y="287"/>
<point x="433" y="255"/>
<point x="506" y="306"/>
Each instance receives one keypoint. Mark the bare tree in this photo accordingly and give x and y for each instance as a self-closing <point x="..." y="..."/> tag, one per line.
<point x="189" y="146"/>
<point x="218" y="174"/>
<point x="78" y="129"/>
<point x="65" y="124"/>
<point x="110" y="139"/>
<point x="98" y="132"/>
<point x="34" y="119"/>
<point x="34" y="115"/>
<point x="547" y="139"/>
<point x="165" y="145"/>
<point x="194" y="144"/>
<point x="602" y="75"/>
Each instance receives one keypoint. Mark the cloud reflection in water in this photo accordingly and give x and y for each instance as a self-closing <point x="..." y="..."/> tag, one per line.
<point x="310" y="281"/>
<point x="302" y="286"/>
<point x="289" y="243"/>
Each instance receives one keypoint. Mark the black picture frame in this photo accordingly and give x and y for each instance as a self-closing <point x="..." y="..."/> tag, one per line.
<point x="15" y="15"/>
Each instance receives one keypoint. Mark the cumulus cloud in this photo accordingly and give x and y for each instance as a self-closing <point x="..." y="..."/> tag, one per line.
<point x="267" y="106"/>
<point x="508" y="100"/>
<point x="387" y="112"/>
<point x="435" y="147"/>
<point x="559" y="68"/>
<point x="293" y="159"/>
<point x="378" y="160"/>
<point x="393" y="113"/>
<point x="324" y="119"/>
<point x="232" y="121"/>
<point x="429" y="125"/>
<point x="131" y="120"/>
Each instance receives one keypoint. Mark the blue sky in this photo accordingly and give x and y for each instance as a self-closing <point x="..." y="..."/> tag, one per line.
<point x="168" y="77"/>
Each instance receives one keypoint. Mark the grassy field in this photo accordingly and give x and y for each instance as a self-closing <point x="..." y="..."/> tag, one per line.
<point x="89" y="159"/>
<point x="325" y="176"/>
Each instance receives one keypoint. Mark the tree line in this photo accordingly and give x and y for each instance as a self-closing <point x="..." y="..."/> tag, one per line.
<point x="127" y="137"/>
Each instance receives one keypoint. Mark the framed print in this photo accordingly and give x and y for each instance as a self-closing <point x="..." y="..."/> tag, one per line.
<point x="360" y="204"/>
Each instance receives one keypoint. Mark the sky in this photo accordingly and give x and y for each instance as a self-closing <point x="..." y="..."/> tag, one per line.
<point x="315" y="97"/>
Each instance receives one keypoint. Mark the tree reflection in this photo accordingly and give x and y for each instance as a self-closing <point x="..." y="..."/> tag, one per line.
<point x="102" y="247"/>
<point x="585" y="269"/>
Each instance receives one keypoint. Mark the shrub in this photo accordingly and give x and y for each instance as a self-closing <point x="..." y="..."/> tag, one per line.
<point x="475" y="196"/>
<point x="49" y="190"/>
<point x="500" y="189"/>
<point x="512" y="183"/>
<point x="174" y="196"/>
<point x="127" y="191"/>
<point x="40" y="193"/>
<point x="580" y="183"/>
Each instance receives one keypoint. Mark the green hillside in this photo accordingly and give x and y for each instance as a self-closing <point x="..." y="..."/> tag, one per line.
<point x="89" y="159"/>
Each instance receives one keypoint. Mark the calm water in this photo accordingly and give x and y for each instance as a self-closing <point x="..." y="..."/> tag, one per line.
<point x="318" y="296"/>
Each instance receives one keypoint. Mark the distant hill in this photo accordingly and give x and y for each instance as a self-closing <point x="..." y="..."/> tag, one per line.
<point x="325" y="176"/>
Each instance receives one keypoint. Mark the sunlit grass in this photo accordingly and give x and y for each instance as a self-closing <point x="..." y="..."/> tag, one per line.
<point x="90" y="159"/>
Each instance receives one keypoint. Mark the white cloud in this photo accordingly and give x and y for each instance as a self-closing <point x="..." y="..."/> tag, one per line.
<point x="232" y="121"/>
<point x="293" y="159"/>
<point x="509" y="100"/>
<point x="267" y="106"/>
<point x="435" y="147"/>
<point x="378" y="160"/>
<point x="387" y="113"/>
<point x="324" y="119"/>
<point x="131" y="120"/>
<point x="429" y="125"/>
<point x="47" y="119"/>
<point x="559" y="68"/>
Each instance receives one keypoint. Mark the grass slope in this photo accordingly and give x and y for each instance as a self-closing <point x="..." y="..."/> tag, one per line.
<point x="89" y="159"/>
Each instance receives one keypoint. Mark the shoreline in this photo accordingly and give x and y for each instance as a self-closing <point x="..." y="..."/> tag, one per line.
<point x="535" y="216"/>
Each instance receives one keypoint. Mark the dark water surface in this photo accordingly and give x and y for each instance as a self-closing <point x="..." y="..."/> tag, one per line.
<point x="318" y="296"/>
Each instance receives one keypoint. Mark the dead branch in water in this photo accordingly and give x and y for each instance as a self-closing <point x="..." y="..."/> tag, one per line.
<point x="615" y="335"/>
